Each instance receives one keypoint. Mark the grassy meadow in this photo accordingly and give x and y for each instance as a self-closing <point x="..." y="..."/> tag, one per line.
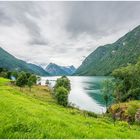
<point x="35" y="114"/>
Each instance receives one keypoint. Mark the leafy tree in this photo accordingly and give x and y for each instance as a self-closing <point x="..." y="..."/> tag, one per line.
<point x="3" y="74"/>
<point x="14" y="74"/>
<point x="61" y="90"/>
<point x="28" y="74"/>
<point x="47" y="82"/>
<point x="21" y="80"/>
<point x="39" y="80"/>
<point x="63" y="81"/>
<point x="31" y="81"/>
<point x="62" y="96"/>
<point x="127" y="82"/>
<point x="107" y="90"/>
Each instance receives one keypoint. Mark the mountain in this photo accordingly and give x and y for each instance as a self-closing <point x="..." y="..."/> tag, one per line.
<point x="111" y="56"/>
<point x="54" y="69"/>
<point x="12" y="63"/>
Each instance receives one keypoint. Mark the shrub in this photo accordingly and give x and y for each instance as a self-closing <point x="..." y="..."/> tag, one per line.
<point x="132" y="109"/>
<point x="107" y="91"/>
<point x="14" y="74"/>
<point x="133" y="94"/>
<point x="90" y="114"/>
<point x="63" y="81"/>
<point x="62" y="96"/>
<point x="21" y="80"/>
<point x="31" y="81"/>
<point x="3" y="74"/>
<point x="47" y="82"/>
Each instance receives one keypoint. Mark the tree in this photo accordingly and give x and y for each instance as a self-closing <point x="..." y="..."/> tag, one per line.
<point x="127" y="82"/>
<point x="3" y="74"/>
<point x="21" y="80"/>
<point x="61" y="90"/>
<point x="63" y="81"/>
<point x="14" y="74"/>
<point x="31" y="81"/>
<point x="107" y="91"/>
<point x="47" y="82"/>
<point x="62" y="96"/>
<point x="38" y="80"/>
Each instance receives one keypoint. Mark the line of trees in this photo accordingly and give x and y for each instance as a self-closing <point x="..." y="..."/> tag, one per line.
<point x="124" y="87"/>
<point x="107" y="91"/>
<point x="127" y="83"/>
<point x="21" y="79"/>
<point x="5" y="73"/>
<point x="61" y="90"/>
<point x="26" y="79"/>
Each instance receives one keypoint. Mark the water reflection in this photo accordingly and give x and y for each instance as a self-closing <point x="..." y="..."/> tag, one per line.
<point x="85" y="92"/>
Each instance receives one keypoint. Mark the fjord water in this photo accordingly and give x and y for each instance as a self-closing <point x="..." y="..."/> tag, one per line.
<point x="85" y="91"/>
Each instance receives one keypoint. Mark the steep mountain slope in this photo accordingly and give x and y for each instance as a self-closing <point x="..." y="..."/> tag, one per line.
<point x="10" y="62"/>
<point x="54" y="69"/>
<point x="111" y="56"/>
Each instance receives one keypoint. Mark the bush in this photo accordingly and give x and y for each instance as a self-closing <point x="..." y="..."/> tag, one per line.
<point x="21" y="80"/>
<point x="63" y="81"/>
<point x="47" y="82"/>
<point x="3" y="74"/>
<point x="134" y="94"/>
<point x="128" y="82"/>
<point x="62" y="96"/>
<point x="90" y="114"/>
<point x="132" y="109"/>
<point x="31" y="81"/>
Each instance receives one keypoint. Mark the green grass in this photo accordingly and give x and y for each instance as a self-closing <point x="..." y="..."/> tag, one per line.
<point x="35" y="114"/>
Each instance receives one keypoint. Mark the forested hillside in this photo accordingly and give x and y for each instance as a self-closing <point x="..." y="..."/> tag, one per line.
<point x="12" y="63"/>
<point x="111" y="56"/>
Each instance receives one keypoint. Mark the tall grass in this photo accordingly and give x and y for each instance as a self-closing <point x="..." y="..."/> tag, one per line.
<point x="25" y="114"/>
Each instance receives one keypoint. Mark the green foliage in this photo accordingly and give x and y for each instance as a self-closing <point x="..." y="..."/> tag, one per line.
<point x="3" y="74"/>
<point x="127" y="82"/>
<point x="132" y="110"/>
<point x="13" y="64"/>
<point x="14" y="74"/>
<point x="61" y="90"/>
<point x="26" y="115"/>
<point x="47" y="82"/>
<point x="63" y="81"/>
<point x="90" y="114"/>
<point x="106" y="58"/>
<point x="125" y="111"/>
<point x="22" y="79"/>
<point x="32" y="79"/>
<point x="107" y="91"/>
<point x="133" y="94"/>
<point x="62" y="96"/>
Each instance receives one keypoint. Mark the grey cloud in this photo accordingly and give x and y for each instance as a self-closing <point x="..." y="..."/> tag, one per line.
<point x="101" y="18"/>
<point x="17" y="12"/>
<point x="65" y="31"/>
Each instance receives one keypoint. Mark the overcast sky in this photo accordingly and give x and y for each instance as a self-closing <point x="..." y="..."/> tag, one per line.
<point x="63" y="32"/>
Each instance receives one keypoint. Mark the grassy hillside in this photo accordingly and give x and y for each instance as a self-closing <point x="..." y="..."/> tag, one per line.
<point x="12" y="63"/>
<point x="111" y="56"/>
<point x="35" y="114"/>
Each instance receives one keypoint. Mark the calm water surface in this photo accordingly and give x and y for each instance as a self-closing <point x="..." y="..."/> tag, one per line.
<point x="85" y="92"/>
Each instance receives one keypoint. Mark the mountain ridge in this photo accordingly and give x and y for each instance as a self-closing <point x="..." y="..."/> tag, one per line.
<point x="108" y="57"/>
<point x="57" y="70"/>
<point x="12" y="63"/>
